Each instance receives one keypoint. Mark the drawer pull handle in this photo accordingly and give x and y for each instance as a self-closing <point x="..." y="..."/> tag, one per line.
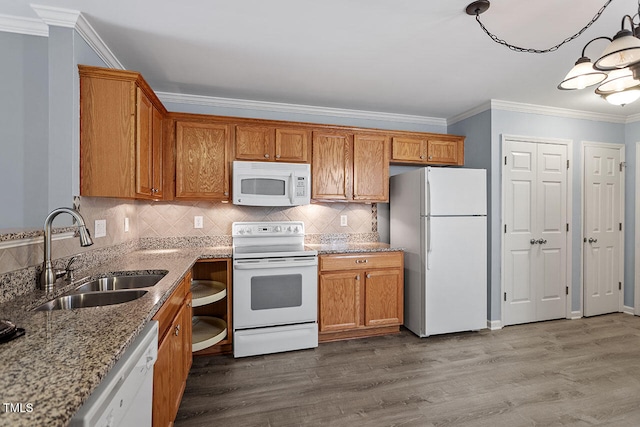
<point x="362" y="261"/>
<point x="358" y="277"/>
<point x="368" y="276"/>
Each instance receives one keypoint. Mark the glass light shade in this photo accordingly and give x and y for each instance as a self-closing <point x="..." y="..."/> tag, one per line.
<point x="582" y="75"/>
<point x="618" y="80"/>
<point x="624" y="50"/>
<point x="623" y="98"/>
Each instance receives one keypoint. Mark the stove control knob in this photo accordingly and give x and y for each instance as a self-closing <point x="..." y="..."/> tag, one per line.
<point x="278" y="229"/>
<point x="241" y="231"/>
<point x="247" y="230"/>
<point x="289" y="229"/>
<point x="296" y="229"/>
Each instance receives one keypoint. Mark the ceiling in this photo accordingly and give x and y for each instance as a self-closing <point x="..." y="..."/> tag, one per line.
<point x="417" y="57"/>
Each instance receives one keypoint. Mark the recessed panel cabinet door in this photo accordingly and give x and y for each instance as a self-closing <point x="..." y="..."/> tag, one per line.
<point x="202" y="171"/>
<point x="339" y="301"/>
<point x="371" y="168"/>
<point x="332" y="166"/>
<point x="254" y="143"/>
<point x="383" y="297"/>
<point x="144" y="145"/>
<point x="292" y="145"/>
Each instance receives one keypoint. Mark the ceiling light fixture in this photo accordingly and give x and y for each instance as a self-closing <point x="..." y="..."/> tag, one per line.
<point x="617" y="68"/>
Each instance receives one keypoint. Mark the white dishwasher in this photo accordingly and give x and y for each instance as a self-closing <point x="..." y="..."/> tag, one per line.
<point x="124" y="397"/>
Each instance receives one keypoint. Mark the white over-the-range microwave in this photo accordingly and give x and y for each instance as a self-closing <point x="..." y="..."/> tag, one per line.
<point x="271" y="184"/>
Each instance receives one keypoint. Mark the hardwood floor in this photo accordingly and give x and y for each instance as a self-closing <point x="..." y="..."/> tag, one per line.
<point x="566" y="372"/>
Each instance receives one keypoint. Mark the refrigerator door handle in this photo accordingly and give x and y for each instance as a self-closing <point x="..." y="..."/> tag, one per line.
<point x="429" y="248"/>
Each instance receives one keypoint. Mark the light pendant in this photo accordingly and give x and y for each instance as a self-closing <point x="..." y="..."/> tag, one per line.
<point x="582" y="75"/>
<point x="618" y="80"/>
<point x="624" y="97"/>
<point x="623" y="51"/>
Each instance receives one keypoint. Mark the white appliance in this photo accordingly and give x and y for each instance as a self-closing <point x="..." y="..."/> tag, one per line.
<point x="271" y="184"/>
<point x="439" y="215"/>
<point x="275" y="288"/>
<point x="124" y="397"/>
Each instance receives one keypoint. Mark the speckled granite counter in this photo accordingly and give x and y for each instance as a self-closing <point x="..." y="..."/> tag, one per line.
<point x="66" y="353"/>
<point x="347" y="247"/>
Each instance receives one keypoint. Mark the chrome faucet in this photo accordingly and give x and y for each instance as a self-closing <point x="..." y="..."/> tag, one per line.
<point x="49" y="274"/>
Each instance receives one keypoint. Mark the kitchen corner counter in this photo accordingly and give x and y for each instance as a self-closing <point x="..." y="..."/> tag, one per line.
<point x="50" y="372"/>
<point x="352" y="247"/>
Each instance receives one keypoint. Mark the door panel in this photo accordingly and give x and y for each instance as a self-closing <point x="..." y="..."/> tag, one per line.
<point x="535" y="244"/>
<point x="602" y="219"/>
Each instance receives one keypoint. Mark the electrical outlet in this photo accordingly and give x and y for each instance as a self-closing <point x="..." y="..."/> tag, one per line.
<point x="126" y="225"/>
<point x="197" y="222"/>
<point x="100" y="228"/>
<point x="343" y="220"/>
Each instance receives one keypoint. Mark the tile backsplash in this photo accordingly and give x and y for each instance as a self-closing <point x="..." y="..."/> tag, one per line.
<point x="176" y="219"/>
<point x="168" y="219"/>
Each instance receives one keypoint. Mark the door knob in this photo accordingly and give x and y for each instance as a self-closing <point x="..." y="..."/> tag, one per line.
<point x="533" y="241"/>
<point x="592" y="240"/>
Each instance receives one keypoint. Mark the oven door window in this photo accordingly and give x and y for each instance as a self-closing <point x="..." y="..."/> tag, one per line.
<point x="272" y="292"/>
<point x="263" y="186"/>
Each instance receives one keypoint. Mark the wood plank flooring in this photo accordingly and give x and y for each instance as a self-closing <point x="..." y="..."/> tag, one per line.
<point x="567" y="372"/>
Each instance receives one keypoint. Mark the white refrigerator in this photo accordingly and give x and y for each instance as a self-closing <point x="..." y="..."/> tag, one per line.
<point x="439" y="216"/>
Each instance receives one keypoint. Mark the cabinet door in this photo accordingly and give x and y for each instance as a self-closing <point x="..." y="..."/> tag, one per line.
<point x="371" y="168"/>
<point x="187" y="355"/>
<point x="158" y="152"/>
<point x="445" y="151"/>
<point x="254" y="143"/>
<point x="383" y="297"/>
<point x="409" y="149"/>
<point x="292" y="145"/>
<point x="144" y="145"/>
<point x="332" y="166"/>
<point x="162" y="384"/>
<point x="339" y="301"/>
<point x="202" y="166"/>
<point x="107" y="137"/>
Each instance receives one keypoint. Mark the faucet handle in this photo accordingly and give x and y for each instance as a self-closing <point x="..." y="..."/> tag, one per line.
<point x="68" y="270"/>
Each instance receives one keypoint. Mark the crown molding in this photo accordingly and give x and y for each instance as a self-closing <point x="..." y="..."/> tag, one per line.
<point x="242" y="104"/>
<point x="93" y="39"/>
<point x="22" y="25"/>
<point x="67" y="18"/>
<point x="554" y="111"/>
<point x="56" y="16"/>
<point x="633" y="119"/>
<point x="469" y="113"/>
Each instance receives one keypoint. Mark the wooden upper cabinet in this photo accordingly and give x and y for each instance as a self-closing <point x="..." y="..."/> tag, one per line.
<point x="428" y="149"/>
<point x="148" y="148"/>
<point x="446" y="151"/>
<point x="263" y="143"/>
<point x="121" y="139"/>
<point x="202" y="161"/>
<point x="371" y="168"/>
<point x="332" y="166"/>
<point x="254" y="143"/>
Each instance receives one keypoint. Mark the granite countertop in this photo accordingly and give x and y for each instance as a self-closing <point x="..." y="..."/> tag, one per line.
<point x="347" y="247"/>
<point x="65" y="354"/>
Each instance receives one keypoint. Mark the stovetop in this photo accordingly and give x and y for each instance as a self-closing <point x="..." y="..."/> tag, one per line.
<point x="269" y="239"/>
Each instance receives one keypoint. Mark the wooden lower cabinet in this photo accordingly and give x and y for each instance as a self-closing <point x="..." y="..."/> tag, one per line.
<point x="174" y="354"/>
<point x="360" y="294"/>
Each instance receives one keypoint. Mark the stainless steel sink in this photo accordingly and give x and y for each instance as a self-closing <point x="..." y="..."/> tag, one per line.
<point x="114" y="283"/>
<point x="92" y="299"/>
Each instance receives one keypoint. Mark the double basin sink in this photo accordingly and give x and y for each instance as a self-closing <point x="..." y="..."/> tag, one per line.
<point x="116" y="288"/>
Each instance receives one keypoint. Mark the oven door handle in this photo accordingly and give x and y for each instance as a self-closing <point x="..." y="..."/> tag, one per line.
<point x="246" y="264"/>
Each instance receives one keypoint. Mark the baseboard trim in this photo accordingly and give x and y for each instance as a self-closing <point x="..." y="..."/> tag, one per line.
<point x="628" y="310"/>
<point x="494" y="325"/>
<point x="575" y="315"/>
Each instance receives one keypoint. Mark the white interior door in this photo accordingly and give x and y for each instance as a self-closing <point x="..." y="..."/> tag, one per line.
<point x="535" y="240"/>
<point x="602" y="230"/>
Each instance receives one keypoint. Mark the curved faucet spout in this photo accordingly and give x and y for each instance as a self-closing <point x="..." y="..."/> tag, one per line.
<point x="49" y="275"/>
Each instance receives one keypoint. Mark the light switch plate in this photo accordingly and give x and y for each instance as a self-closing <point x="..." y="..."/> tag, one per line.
<point x="197" y="222"/>
<point x="126" y="225"/>
<point x="100" y="229"/>
<point x="343" y="220"/>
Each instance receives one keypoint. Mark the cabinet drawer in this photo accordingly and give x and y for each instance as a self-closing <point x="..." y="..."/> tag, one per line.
<point x="360" y="261"/>
<point x="167" y="312"/>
